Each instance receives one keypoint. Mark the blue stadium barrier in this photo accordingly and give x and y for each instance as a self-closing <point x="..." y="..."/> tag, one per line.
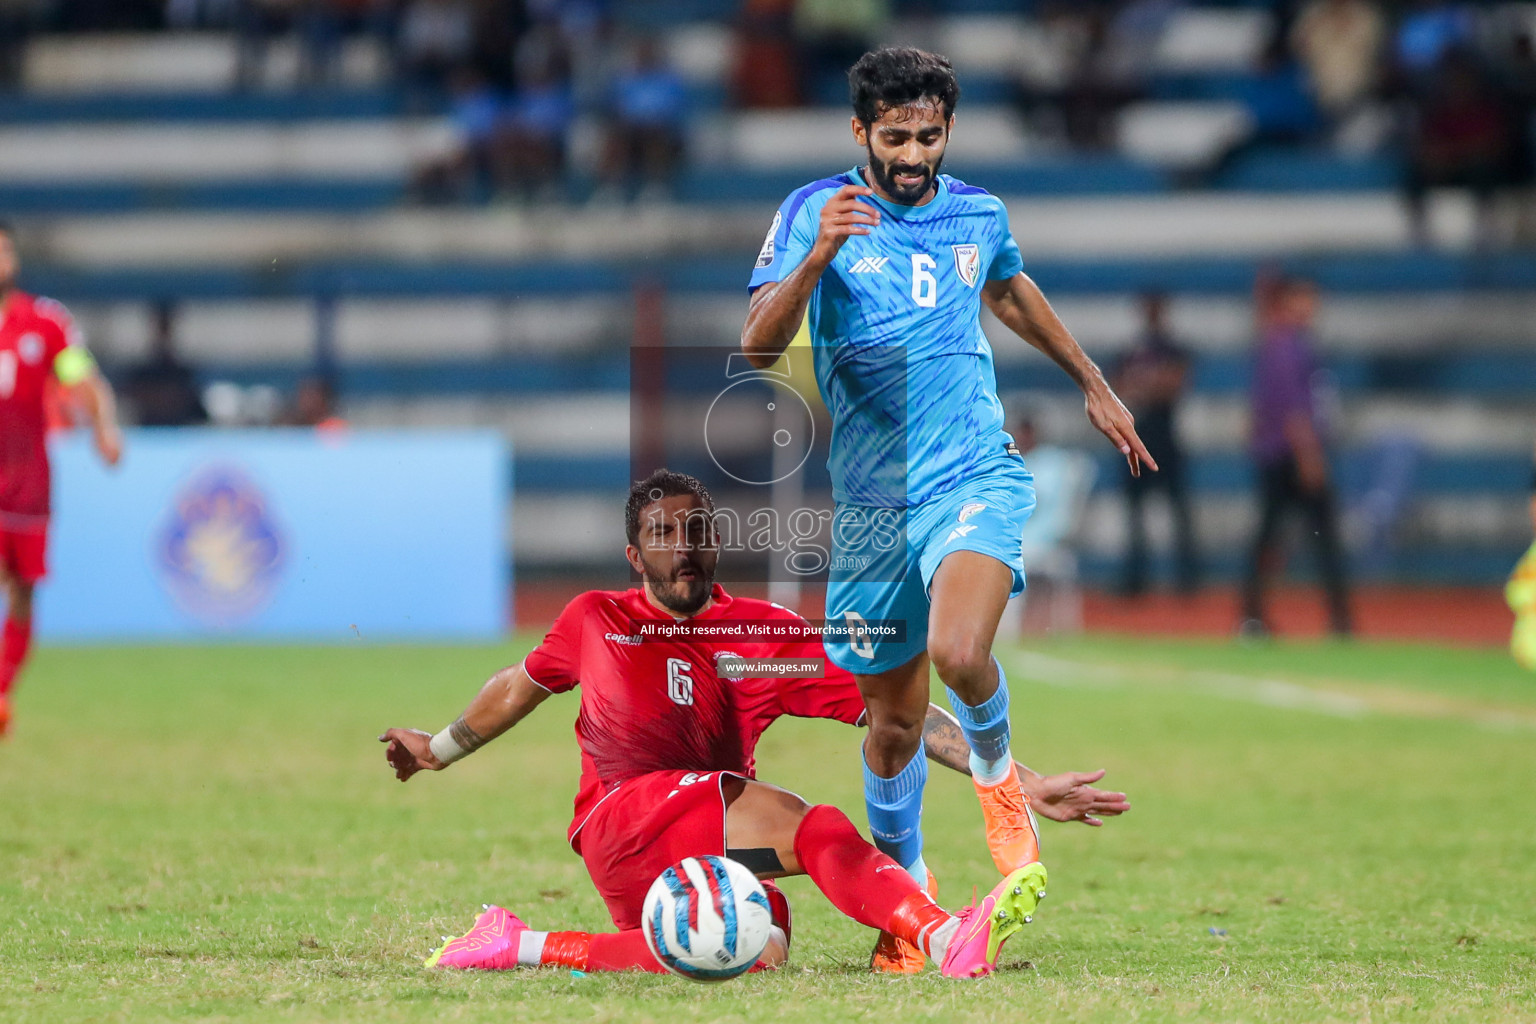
<point x="1278" y="169"/>
<point x="301" y="105"/>
<point x="83" y="198"/>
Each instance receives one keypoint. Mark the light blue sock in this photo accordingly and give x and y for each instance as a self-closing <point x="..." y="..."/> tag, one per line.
<point x="986" y="731"/>
<point x="895" y="808"/>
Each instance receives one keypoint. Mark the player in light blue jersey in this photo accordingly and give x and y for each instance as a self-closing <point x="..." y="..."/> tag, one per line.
<point x="890" y="263"/>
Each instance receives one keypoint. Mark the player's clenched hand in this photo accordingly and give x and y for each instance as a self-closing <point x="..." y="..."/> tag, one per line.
<point x="1071" y="796"/>
<point x="844" y="215"/>
<point x="1114" y="421"/>
<point x="409" y="751"/>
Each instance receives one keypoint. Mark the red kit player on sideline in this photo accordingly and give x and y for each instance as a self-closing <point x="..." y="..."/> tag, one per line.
<point x="37" y="342"/>
<point x="667" y="761"/>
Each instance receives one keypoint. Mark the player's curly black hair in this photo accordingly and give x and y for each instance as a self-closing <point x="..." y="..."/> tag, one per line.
<point x="663" y="483"/>
<point x="898" y="75"/>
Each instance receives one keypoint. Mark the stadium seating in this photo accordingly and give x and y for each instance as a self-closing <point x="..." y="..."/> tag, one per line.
<point x="278" y="220"/>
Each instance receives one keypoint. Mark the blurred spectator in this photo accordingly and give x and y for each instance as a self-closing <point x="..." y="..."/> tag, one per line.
<point x="1460" y="136"/>
<point x="1289" y="449"/>
<point x="1151" y="380"/>
<point x="314" y="405"/>
<point x="257" y="24"/>
<point x="648" y="107"/>
<point x="466" y="171"/>
<point x="326" y="24"/>
<point x="1063" y="481"/>
<point x="1428" y="33"/>
<point x="435" y="38"/>
<point x="1095" y="59"/>
<point x="1277" y="97"/>
<point x="530" y="146"/>
<point x="18" y="19"/>
<point x="1339" y="44"/>
<point x="163" y="391"/>
<point x="830" y="36"/>
<point x="765" y="72"/>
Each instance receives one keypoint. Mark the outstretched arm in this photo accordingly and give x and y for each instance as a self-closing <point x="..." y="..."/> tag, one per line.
<point x="93" y="395"/>
<point x="1069" y="796"/>
<point x="505" y="699"/>
<point x="1021" y="306"/>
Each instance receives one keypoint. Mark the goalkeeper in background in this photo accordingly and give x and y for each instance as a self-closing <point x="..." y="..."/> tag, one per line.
<point x="1521" y="593"/>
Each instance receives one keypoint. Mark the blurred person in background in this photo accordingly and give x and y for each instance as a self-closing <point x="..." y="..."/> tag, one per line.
<point x="830" y="36"/>
<point x="1428" y="33"/>
<point x="1521" y="594"/>
<point x="648" y="107"/>
<point x="1339" y="44"/>
<point x="314" y="405"/>
<point x="1151" y="379"/>
<point x="257" y="23"/>
<point x="18" y="19"/>
<point x="530" y="147"/>
<point x="39" y="345"/>
<point x="1063" y="481"/>
<point x="162" y="392"/>
<point x="435" y="37"/>
<point x="764" y="74"/>
<point x="1290" y="452"/>
<point x="1460" y="136"/>
<point x="466" y="170"/>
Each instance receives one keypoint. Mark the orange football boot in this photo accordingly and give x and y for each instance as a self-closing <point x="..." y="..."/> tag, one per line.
<point x="1011" y="834"/>
<point x="5" y="717"/>
<point x="898" y="956"/>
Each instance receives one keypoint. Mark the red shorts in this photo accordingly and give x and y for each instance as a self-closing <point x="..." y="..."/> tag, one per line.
<point x="644" y="827"/>
<point x="23" y="553"/>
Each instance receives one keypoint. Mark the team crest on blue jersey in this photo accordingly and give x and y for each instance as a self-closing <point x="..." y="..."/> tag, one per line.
<point x="971" y="509"/>
<point x="220" y="550"/>
<point x="967" y="262"/>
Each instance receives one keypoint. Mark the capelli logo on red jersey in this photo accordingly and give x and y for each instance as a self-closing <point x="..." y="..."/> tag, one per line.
<point x="623" y="638"/>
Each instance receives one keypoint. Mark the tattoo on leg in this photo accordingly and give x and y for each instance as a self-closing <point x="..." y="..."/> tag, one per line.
<point x="464" y="736"/>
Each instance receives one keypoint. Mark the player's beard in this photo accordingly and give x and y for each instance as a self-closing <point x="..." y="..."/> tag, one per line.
<point x="680" y="597"/>
<point x="885" y="177"/>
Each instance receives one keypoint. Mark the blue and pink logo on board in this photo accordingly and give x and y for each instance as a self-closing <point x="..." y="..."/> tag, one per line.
<point x="221" y="551"/>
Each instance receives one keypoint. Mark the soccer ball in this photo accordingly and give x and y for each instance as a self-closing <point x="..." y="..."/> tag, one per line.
<point x="706" y="918"/>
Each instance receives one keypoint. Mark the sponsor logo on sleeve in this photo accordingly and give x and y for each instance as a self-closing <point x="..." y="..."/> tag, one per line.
<point x="767" y="252"/>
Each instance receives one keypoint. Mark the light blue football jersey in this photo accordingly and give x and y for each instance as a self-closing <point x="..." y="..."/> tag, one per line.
<point x="895" y="323"/>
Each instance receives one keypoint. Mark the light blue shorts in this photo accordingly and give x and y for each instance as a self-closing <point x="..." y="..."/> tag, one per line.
<point x="883" y="561"/>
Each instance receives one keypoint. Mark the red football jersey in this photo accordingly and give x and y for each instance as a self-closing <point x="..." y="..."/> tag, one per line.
<point x="33" y="331"/>
<point x="651" y="705"/>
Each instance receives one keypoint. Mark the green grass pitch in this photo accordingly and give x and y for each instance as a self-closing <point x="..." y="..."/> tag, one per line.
<point x="1319" y="832"/>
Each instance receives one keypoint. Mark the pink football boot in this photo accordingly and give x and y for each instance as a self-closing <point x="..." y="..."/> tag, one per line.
<point x="491" y="945"/>
<point x="973" y="950"/>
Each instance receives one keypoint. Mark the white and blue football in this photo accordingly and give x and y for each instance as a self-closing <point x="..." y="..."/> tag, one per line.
<point x="707" y="918"/>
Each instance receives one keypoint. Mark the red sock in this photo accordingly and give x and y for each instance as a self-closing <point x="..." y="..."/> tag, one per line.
<point x="861" y="881"/>
<point x="622" y="951"/>
<point x="16" y="640"/>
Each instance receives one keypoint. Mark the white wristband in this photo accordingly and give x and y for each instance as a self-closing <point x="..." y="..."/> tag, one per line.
<point x="446" y="749"/>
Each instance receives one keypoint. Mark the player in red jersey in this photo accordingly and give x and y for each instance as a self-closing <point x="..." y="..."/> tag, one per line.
<point x="667" y="746"/>
<point x="39" y="347"/>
